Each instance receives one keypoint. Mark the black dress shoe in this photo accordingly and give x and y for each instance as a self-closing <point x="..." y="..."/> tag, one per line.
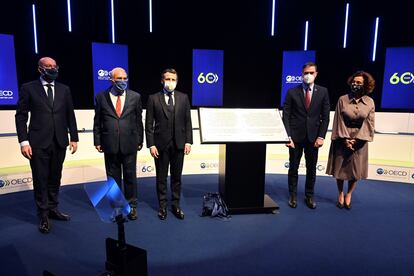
<point x="133" y="215"/>
<point x="339" y="205"/>
<point x="162" y="213"/>
<point x="347" y="206"/>
<point x="292" y="201"/>
<point x="310" y="203"/>
<point x="178" y="213"/>
<point x="58" y="215"/>
<point x="44" y="225"/>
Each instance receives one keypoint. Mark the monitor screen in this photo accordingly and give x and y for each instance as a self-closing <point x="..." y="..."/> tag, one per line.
<point x="8" y="77"/>
<point x="207" y="77"/>
<point x="293" y="62"/>
<point x="105" y="57"/>
<point x="398" y="86"/>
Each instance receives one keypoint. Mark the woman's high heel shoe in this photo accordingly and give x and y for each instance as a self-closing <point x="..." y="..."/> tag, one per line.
<point x="338" y="203"/>
<point x="347" y="206"/>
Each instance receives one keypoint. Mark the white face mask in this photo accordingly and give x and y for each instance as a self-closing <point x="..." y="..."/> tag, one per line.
<point x="308" y="78"/>
<point x="170" y="85"/>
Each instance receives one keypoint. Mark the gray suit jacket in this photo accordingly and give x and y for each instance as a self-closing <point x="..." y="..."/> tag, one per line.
<point x="115" y="134"/>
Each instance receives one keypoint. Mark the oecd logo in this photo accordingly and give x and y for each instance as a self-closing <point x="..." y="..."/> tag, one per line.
<point x="412" y="176"/>
<point x="209" y="78"/>
<point x="146" y="169"/>
<point x="320" y="167"/>
<point x="6" y="94"/>
<point x="3" y="183"/>
<point x="405" y="78"/>
<point x="293" y="79"/>
<point x="103" y="74"/>
<point x="212" y="165"/>
<point x="287" y="165"/>
<point x="380" y="171"/>
<point x="16" y="181"/>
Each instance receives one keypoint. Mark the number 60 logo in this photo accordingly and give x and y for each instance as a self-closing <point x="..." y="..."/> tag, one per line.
<point x="208" y="78"/>
<point x="405" y="78"/>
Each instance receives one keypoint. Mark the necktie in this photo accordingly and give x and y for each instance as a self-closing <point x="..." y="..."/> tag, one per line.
<point x="50" y="94"/>
<point x="308" y="98"/>
<point x="118" y="106"/>
<point x="170" y="101"/>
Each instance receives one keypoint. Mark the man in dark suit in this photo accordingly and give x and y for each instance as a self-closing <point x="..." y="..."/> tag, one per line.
<point x="118" y="133"/>
<point x="306" y="118"/>
<point x="169" y="136"/>
<point x="44" y="143"/>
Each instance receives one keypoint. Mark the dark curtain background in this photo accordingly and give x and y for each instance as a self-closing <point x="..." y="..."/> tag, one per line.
<point x="253" y="59"/>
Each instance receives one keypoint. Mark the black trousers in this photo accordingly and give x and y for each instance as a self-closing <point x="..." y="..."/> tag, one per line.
<point x="173" y="158"/>
<point x="46" y="165"/>
<point x="121" y="166"/>
<point x="311" y="157"/>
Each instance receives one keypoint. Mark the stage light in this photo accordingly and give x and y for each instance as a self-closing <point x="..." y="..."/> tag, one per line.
<point x="34" y="28"/>
<point x="346" y="24"/>
<point x="69" y="17"/>
<point x="374" y="46"/>
<point x="112" y="21"/>
<point x="273" y="18"/>
<point x="150" y="15"/>
<point x="305" y="47"/>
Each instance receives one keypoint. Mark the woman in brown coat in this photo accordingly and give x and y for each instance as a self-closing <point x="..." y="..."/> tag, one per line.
<point x="353" y="128"/>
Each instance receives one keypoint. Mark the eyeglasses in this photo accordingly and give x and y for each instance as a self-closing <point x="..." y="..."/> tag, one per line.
<point x="50" y="67"/>
<point x="121" y="78"/>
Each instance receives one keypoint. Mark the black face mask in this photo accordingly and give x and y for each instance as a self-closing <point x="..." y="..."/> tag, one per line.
<point x="50" y="74"/>
<point x="357" y="88"/>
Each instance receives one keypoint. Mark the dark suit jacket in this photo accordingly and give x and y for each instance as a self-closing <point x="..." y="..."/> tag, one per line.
<point x="43" y="117"/>
<point x="300" y="123"/>
<point x="115" y="134"/>
<point x="157" y="126"/>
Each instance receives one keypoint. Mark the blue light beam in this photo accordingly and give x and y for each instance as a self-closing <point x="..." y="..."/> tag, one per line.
<point x="346" y="24"/>
<point x="305" y="46"/>
<point x="34" y="28"/>
<point x="374" y="46"/>
<point x="69" y="17"/>
<point x="273" y="17"/>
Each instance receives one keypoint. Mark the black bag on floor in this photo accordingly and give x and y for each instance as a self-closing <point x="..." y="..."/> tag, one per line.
<point x="214" y="206"/>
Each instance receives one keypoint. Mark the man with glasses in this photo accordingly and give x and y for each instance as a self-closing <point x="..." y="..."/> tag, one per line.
<point x="44" y="142"/>
<point x="118" y="133"/>
<point x="306" y="118"/>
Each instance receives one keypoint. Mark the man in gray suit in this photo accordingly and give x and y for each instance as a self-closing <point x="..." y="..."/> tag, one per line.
<point x="118" y="133"/>
<point x="169" y="136"/>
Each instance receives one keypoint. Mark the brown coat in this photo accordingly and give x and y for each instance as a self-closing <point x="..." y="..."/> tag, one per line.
<point x="354" y="119"/>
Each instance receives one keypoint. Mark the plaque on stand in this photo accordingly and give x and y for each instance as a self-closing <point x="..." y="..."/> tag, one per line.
<point x="112" y="207"/>
<point x="243" y="135"/>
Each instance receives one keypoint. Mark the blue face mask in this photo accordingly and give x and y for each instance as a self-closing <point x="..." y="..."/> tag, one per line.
<point x="121" y="85"/>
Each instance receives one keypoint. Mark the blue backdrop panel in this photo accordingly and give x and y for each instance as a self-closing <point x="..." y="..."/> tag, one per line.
<point x="8" y="77"/>
<point x="208" y="77"/>
<point x="398" y="87"/>
<point x="292" y="69"/>
<point x="105" y="57"/>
